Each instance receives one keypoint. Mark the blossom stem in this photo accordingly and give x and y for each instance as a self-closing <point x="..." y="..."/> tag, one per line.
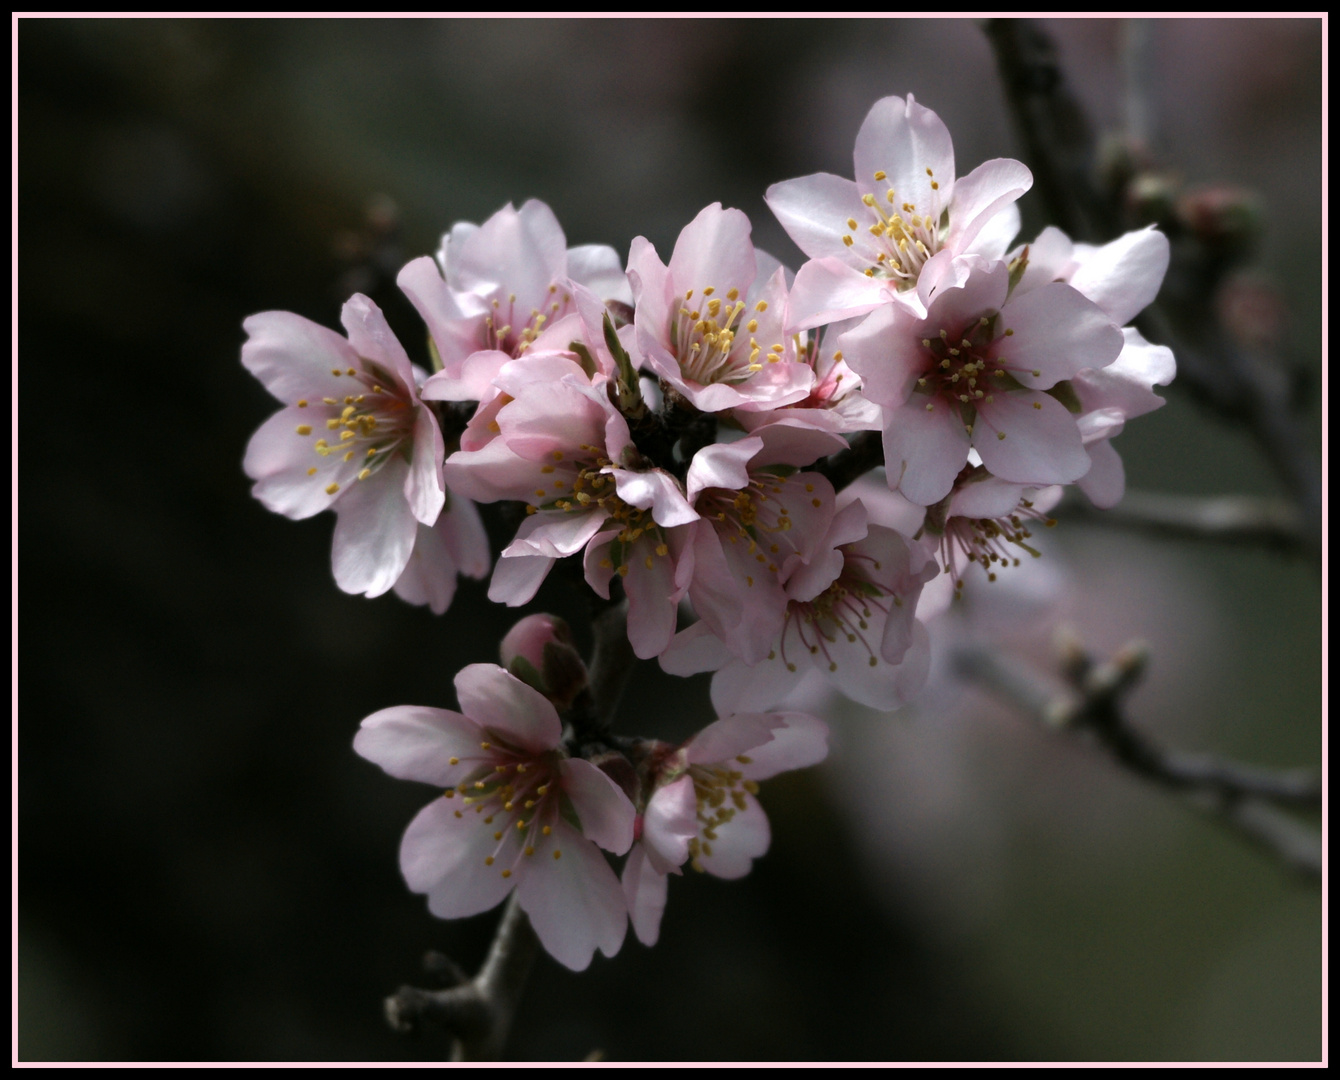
<point x="1234" y="519"/>
<point x="479" y="1013"/>
<point x="1245" y="799"/>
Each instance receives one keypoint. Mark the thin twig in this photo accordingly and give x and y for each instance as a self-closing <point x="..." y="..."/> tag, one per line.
<point x="1234" y="519"/>
<point x="479" y="1013"/>
<point x="1243" y="798"/>
<point x="1216" y="370"/>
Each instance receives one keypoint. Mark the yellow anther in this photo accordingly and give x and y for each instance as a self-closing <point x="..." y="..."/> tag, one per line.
<point x="311" y="471"/>
<point x="1000" y="434"/>
<point x="881" y="175"/>
<point x="546" y="830"/>
<point x="332" y="488"/>
<point x="848" y="241"/>
<point x="485" y="746"/>
<point x="709" y="290"/>
<point x="733" y="294"/>
<point x="304" y="429"/>
<point x="507" y="873"/>
<point x="336" y="371"/>
<point x="557" y="853"/>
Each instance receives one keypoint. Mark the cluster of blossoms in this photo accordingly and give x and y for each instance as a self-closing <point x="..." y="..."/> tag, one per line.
<point x="670" y="423"/>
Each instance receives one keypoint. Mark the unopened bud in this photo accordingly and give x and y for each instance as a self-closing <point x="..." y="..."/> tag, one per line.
<point x="539" y="651"/>
<point x="1227" y="220"/>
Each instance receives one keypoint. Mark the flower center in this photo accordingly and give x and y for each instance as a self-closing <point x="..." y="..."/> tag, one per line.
<point x="512" y="331"/>
<point x="751" y="516"/>
<point x="842" y="611"/>
<point x="520" y="789"/>
<point x="989" y="541"/>
<point x="965" y="371"/>
<point x="720" y="794"/>
<point x="905" y="235"/>
<point x="707" y="339"/>
<point x="369" y="427"/>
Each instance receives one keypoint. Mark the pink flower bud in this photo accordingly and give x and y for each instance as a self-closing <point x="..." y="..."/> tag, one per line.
<point x="539" y="650"/>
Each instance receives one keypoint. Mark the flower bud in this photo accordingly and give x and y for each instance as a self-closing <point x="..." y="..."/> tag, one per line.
<point x="539" y="650"/>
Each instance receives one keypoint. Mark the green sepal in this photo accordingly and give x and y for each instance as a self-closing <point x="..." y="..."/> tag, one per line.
<point x="584" y="358"/>
<point x="524" y="670"/>
<point x="434" y="357"/>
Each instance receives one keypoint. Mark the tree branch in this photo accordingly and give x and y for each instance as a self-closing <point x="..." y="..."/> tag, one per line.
<point x="480" y="1012"/>
<point x="1234" y="519"/>
<point x="1243" y="798"/>
<point x="1239" y="385"/>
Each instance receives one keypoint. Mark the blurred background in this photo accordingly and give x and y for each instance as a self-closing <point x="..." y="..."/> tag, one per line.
<point x="208" y="872"/>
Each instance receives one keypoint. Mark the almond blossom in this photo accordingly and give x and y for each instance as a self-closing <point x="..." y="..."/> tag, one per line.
<point x="849" y="620"/>
<point x="565" y="450"/>
<point x="517" y="813"/>
<point x="354" y="436"/>
<point x="495" y="287"/>
<point x="972" y="374"/>
<point x="870" y="239"/>
<point x="1122" y="278"/>
<point x="703" y="809"/>
<point x="710" y="324"/>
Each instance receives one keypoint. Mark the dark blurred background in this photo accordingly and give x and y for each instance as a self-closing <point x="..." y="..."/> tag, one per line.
<point x="206" y="869"/>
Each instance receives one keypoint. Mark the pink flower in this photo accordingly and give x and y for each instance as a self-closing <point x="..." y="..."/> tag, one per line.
<point x="703" y="810"/>
<point x="710" y="324"/>
<point x="972" y="373"/>
<point x="354" y="436"/>
<point x="518" y="813"/>
<point x="849" y="621"/>
<point x="500" y="284"/>
<point x="565" y="450"/>
<point x="1121" y="278"/>
<point x="870" y="239"/>
<point x="455" y="544"/>
<point x="834" y="402"/>
<point x="756" y="528"/>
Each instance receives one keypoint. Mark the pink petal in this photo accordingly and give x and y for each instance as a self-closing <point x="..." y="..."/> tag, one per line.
<point x="372" y="338"/>
<point x="985" y="192"/>
<point x="670" y="822"/>
<point x="424" y="489"/>
<point x="455" y="331"/>
<point x="714" y="250"/>
<point x="722" y="465"/>
<point x="731" y="736"/>
<point x="374" y="531"/>
<point x="415" y="742"/>
<point x="903" y="140"/>
<point x="644" y="892"/>
<point x="443" y="853"/>
<point x="1123" y="277"/>
<point x="814" y="211"/>
<point x="765" y="685"/>
<point x="886" y="352"/>
<point x="603" y="809"/>
<point x="924" y="449"/>
<point x="556" y="535"/>
<point x="430" y="575"/>
<point x="1105" y="482"/>
<point x="987" y="497"/>
<point x="657" y="491"/>
<point x="800" y="741"/>
<point x="491" y="473"/>
<point x="575" y="902"/>
<point x="278" y="459"/>
<point x="1057" y="333"/>
<point x="462" y="531"/>
<point x="598" y="268"/>
<point x="828" y="289"/>
<point x="653" y="598"/>
<point x="694" y="650"/>
<point x="1042" y="444"/>
<point x="739" y="842"/>
<point x="469" y="379"/>
<point x="293" y="357"/>
<point x="494" y="699"/>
